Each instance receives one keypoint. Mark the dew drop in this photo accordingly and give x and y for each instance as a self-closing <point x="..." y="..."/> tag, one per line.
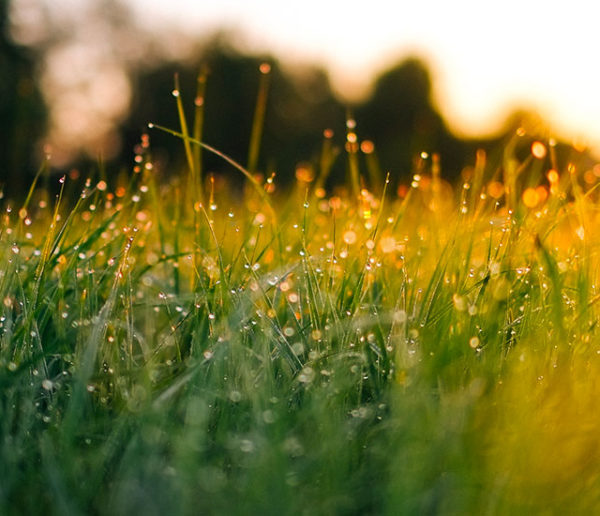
<point x="307" y="375"/>
<point x="474" y="342"/>
<point x="298" y="348"/>
<point x="235" y="396"/>
<point x="47" y="384"/>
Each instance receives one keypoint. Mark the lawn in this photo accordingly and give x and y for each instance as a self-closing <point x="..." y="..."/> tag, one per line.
<point x="173" y="347"/>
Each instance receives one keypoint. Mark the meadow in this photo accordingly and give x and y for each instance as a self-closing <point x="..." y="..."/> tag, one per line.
<point x="172" y="347"/>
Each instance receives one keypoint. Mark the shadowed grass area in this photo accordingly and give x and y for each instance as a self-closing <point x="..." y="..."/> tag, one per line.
<point x="172" y="349"/>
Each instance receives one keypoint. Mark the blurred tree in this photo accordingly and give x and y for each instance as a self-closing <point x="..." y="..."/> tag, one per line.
<point x="23" y="113"/>
<point x="400" y="118"/>
<point x="300" y="106"/>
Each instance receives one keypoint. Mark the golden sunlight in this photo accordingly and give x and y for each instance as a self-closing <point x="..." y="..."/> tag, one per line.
<point x="487" y="59"/>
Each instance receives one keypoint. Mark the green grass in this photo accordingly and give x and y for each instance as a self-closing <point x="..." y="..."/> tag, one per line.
<point x="435" y="353"/>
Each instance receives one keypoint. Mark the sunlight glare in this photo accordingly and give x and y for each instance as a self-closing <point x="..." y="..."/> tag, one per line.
<point x="486" y="61"/>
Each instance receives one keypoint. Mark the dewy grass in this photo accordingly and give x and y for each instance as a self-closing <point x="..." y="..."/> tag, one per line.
<point x="364" y="354"/>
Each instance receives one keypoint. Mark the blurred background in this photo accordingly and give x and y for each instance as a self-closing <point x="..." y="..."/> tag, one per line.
<point x="81" y="79"/>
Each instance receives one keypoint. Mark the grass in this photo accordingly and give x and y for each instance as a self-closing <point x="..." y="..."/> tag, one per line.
<point x="432" y="352"/>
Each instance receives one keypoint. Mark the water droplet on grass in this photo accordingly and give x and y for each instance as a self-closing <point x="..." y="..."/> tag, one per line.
<point x="307" y="375"/>
<point x="47" y="385"/>
<point x="235" y="396"/>
<point x="268" y="416"/>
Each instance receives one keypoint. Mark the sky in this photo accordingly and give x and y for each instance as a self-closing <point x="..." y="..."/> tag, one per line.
<point x="486" y="57"/>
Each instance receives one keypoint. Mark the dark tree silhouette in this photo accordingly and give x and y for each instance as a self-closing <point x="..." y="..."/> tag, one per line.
<point x="23" y="113"/>
<point x="299" y="108"/>
<point x="399" y="115"/>
<point x="400" y="118"/>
